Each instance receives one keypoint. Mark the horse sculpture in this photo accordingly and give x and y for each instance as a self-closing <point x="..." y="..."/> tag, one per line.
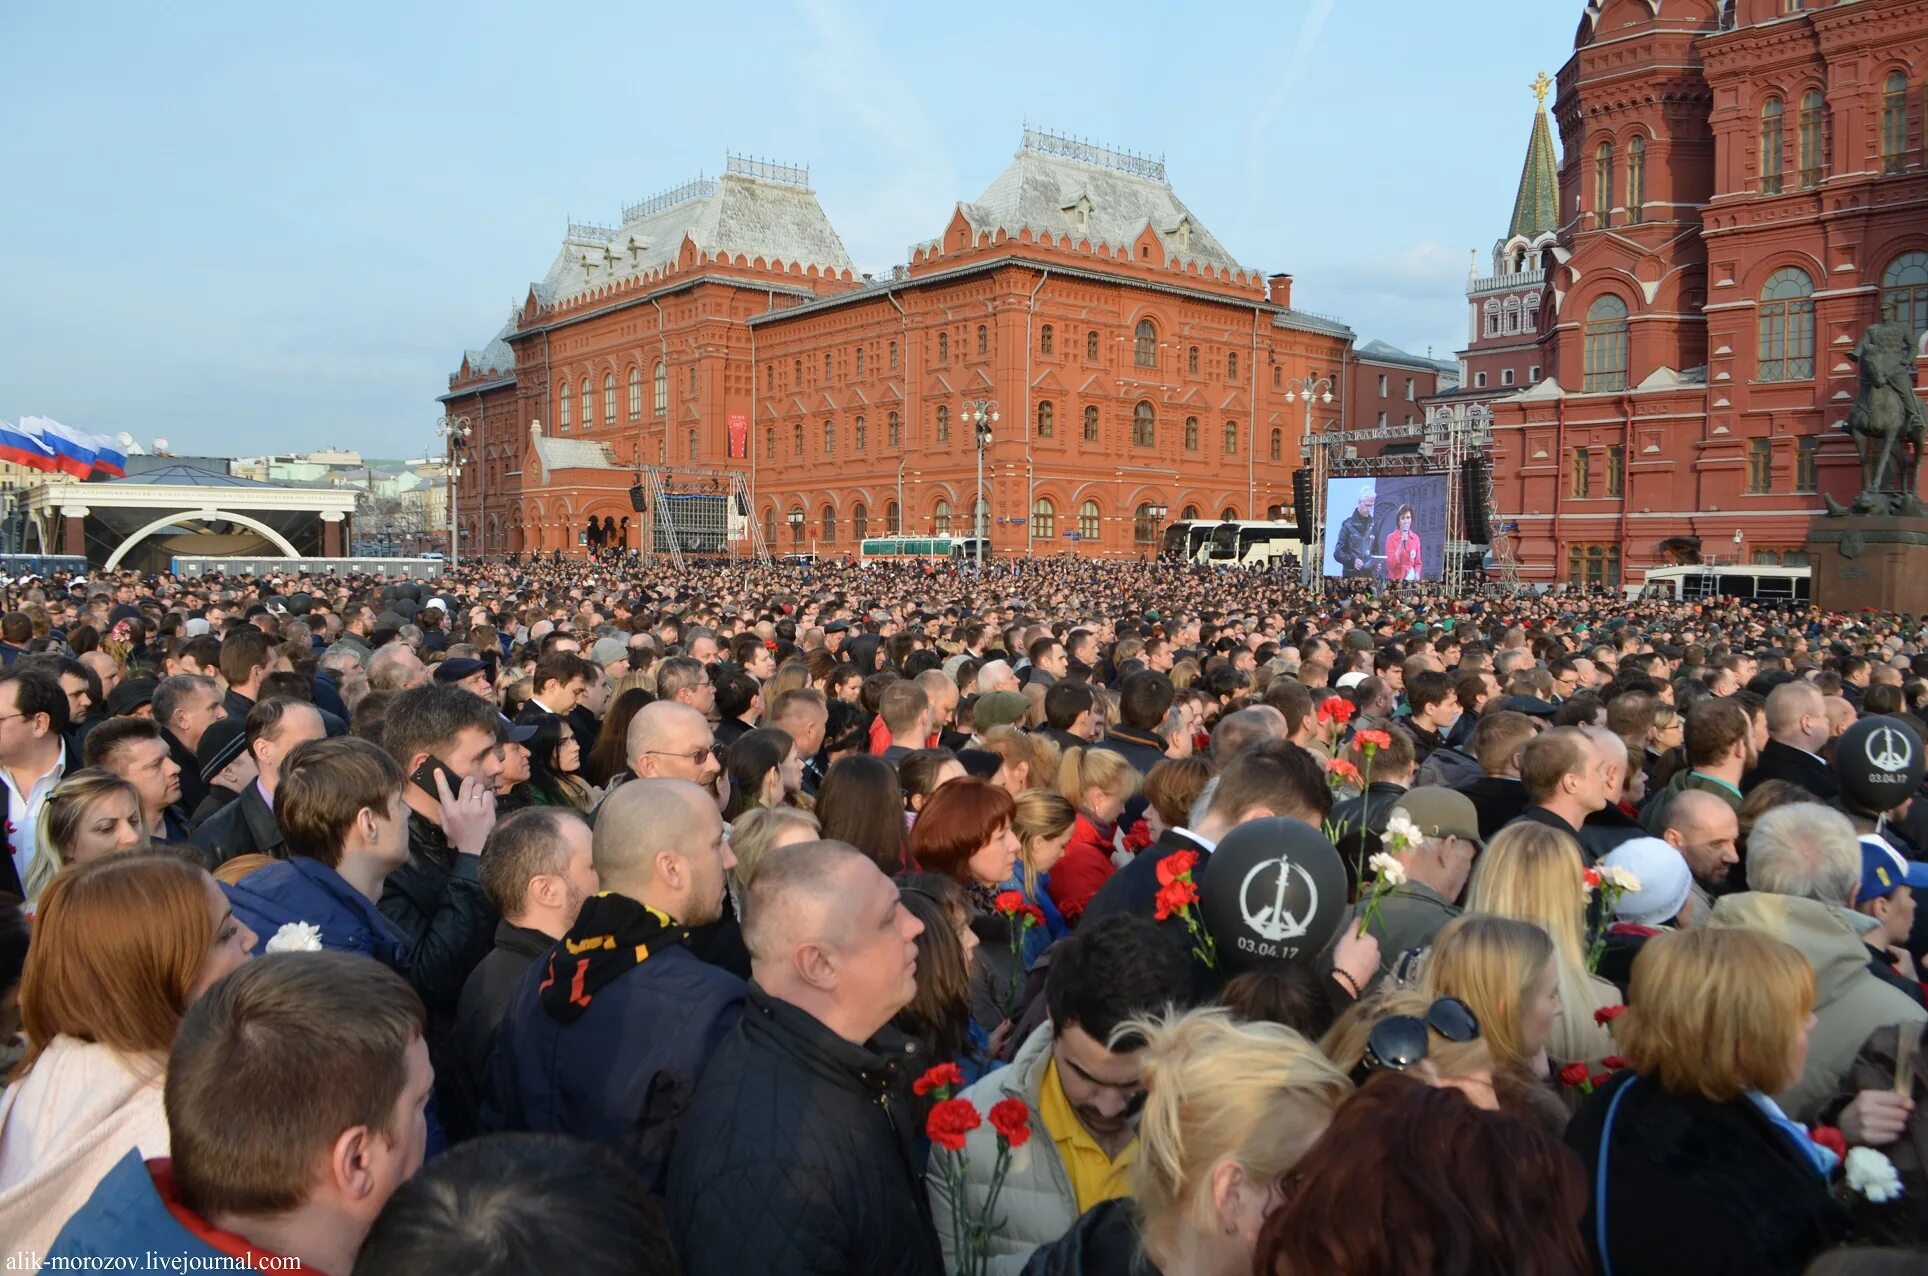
<point x="1887" y="421"/>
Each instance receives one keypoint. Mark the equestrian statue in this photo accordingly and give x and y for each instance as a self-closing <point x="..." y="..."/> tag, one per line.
<point x="1887" y="421"/>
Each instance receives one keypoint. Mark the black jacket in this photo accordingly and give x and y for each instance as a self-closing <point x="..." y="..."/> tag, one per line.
<point x="1142" y="749"/>
<point x="1607" y="828"/>
<point x="1797" y="766"/>
<point x="1353" y="548"/>
<point x="437" y="904"/>
<point x="807" y="1164"/>
<point x="1133" y="888"/>
<point x="193" y="788"/>
<point x="478" y="1016"/>
<point x="1702" y="1187"/>
<point x="1540" y="815"/>
<point x="1063" y="739"/>
<point x="1103" y="1242"/>
<point x="217" y="798"/>
<point x="245" y="826"/>
<point x="237" y="705"/>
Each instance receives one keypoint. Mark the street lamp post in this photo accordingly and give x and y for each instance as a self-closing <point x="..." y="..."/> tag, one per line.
<point x="1310" y="387"/>
<point x="982" y="415"/>
<point x="456" y="430"/>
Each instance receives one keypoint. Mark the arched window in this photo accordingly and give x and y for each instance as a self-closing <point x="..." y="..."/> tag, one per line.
<point x="860" y="362"/>
<point x="693" y="379"/>
<point x="563" y="410"/>
<point x="770" y="441"/>
<point x="893" y="356"/>
<point x="941" y="518"/>
<point x="1894" y="123"/>
<point x="588" y="406"/>
<point x="943" y="347"/>
<point x="770" y="526"/>
<point x="859" y="435"/>
<point x="1787" y="327"/>
<point x="1189" y="513"/>
<point x="826" y="365"/>
<point x="829" y="525"/>
<point x="1606" y="344"/>
<point x="1228" y="513"/>
<point x="662" y="387"/>
<point x="1772" y="148"/>
<point x="1088" y="520"/>
<point x="943" y="424"/>
<point x="1231" y="365"/>
<point x="1278" y="445"/>
<point x="1191" y="434"/>
<point x="1904" y="292"/>
<point x="1636" y="176"/>
<point x="1144" y="523"/>
<point x="1603" y="184"/>
<point x="635" y="392"/>
<point x="1231" y="438"/>
<point x="796" y="373"/>
<point x="859" y="521"/>
<point x="1511" y="315"/>
<point x="609" y="398"/>
<point x="891" y="430"/>
<point x="983" y="339"/>
<point x="1144" y="346"/>
<point x="1144" y="425"/>
<point x="1091" y="346"/>
<point x="1493" y="318"/>
<point x="893" y="519"/>
<point x="1813" y="112"/>
<point x="796" y="440"/>
<point x="830" y="438"/>
<point x="1047" y="423"/>
<point x="1045" y="339"/>
<point x="1191" y="360"/>
<point x="796" y="526"/>
<point x="1091" y="425"/>
<point x="692" y="444"/>
<point x="1044" y="519"/>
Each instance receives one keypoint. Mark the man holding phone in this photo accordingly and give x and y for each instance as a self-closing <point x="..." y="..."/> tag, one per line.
<point x="448" y="744"/>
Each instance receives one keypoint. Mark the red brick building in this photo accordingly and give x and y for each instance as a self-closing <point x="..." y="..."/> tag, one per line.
<point x="1742" y="190"/>
<point x="1139" y="371"/>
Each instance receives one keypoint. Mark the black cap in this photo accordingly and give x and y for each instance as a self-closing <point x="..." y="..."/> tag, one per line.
<point x="837" y="627"/>
<point x="130" y="695"/>
<point x="220" y="744"/>
<point x="457" y="668"/>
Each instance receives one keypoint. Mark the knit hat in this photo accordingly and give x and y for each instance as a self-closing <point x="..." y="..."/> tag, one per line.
<point x="130" y="695"/>
<point x="999" y="709"/>
<point x="608" y="651"/>
<point x="1665" y="880"/>
<point x="220" y="744"/>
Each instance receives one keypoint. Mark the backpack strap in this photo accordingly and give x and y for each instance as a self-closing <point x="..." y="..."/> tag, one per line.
<point x="1600" y="1179"/>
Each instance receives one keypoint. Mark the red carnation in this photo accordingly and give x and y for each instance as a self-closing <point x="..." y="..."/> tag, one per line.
<point x="1607" y="1014"/>
<point x="1591" y="879"/>
<point x="1335" y="709"/>
<point x="1175" y="866"/>
<point x="950" y="1121"/>
<point x="1830" y="1138"/>
<point x="1032" y="915"/>
<point x="1613" y="1061"/>
<point x="1009" y="902"/>
<point x="1174" y="897"/>
<point x="1012" y="1120"/>
<point x="1601" y="1078"/>
<point x="1344" y="770"/>
<point x="1371" y="740"/>
<point x="1574" y="1074"/>
<point x="943" y="1074"/>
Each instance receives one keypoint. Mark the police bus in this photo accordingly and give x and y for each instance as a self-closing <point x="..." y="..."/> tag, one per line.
<point x="1254" y="543"/>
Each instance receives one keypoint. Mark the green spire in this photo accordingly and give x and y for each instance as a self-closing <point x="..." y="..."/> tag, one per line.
<point x="1536" y="209"/>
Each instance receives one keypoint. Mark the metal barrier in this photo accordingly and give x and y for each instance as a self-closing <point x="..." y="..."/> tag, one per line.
<point x="401" y="568"/>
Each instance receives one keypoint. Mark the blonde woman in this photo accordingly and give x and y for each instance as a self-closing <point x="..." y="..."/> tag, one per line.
<point x="1043" y="822"/>
<point x="1098" y="783"/>
<point x="90" y="815"/>
<point x="762" y="830"/>
<point x="1532" y="873"/>
<point x="1507" y="973"/>
<point x="1021" y="763"/>
<point x="1466" y="1063"/>
<point x="1229" y="1109"/>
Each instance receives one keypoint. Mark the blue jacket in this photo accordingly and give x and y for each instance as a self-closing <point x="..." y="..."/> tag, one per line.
<point x="623" y="1073"/>
<point x="301" y="889"/>
<point x="126" y="1218"/>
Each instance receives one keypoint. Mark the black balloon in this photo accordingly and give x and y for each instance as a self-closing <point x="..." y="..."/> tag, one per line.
<point x="1274" y="890"/>
<point x="1878" y="763"/>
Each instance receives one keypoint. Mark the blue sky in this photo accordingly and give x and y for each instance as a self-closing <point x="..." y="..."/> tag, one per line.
<point x="255" y="227"/>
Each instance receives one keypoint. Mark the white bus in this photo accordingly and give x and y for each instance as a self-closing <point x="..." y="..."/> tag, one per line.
<point x="1727" y="580"/>
<point x="958" y="549"/>
<point x="1256" y="543"/>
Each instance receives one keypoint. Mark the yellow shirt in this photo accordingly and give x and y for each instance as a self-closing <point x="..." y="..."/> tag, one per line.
<point x="1094" y="1176"/>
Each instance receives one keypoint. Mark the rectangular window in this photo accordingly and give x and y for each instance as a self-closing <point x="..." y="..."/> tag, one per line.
<point x="1616" y="470"/>
<point x="1533" y="374"/>
<point x="1409" y="389"/>
<point x="1582" y="473"/>
<point x="1506" y="376"/>
<point x="1594" y="566"/>
<point x="1383" y="378"/>
<point x="1760" y="465"/>
<point x="1382" y="418"/>
<point x="1806" y="474"/>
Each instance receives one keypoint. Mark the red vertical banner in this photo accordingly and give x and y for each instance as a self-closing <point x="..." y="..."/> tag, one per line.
<point x="739" y="435"/>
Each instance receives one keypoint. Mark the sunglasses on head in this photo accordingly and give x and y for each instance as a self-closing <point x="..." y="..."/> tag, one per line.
<point x="1399" y="1042"/>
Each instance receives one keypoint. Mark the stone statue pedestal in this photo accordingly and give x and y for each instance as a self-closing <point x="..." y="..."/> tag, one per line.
<point x="1870" y="560"/>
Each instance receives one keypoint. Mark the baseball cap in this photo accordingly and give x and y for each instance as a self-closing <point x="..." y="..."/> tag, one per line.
<point x="1883" y="869"/>
<point x="1440" y="812"/>
<point x="516" y="732"/>
<point x="1347" y="681"/>
<point x="1664" y="878"/>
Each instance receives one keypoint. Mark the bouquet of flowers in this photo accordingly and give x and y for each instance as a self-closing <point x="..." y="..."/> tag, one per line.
<point x="1612" y="882"/>
<point x="949" y="1125"/>
<point x="1177" y="893"/>
<point x="1022" y="915"/>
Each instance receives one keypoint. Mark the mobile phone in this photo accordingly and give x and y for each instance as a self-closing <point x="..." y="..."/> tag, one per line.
<point x="424" y="777"/>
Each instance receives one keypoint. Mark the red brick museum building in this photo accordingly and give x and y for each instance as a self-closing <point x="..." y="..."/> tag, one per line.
<point x="1742" y="192"/>
<point x="1139" y="370"/>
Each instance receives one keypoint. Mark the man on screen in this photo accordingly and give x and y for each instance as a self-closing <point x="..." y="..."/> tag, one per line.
<point x="1354" y="549"/>
<point x="1403" y="554"/>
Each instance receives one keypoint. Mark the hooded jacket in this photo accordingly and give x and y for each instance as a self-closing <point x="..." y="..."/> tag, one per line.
<point x="1851" y="1002"/>
<point x="303" y="889"/>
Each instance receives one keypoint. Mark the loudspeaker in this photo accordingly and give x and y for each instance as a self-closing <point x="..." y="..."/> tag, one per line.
<point x="1302" y="504"/>
<point x="1473" y="489"/>
<point x="636" y="499"/>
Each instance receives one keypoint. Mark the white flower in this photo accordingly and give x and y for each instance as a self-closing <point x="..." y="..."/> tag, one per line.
<point x="1873" y="1175"/>
<point x="1388" y="869"/>
<point x="1620" y="879"/>
<point x="1401" y="833"/>
<point x="295" y="937"/>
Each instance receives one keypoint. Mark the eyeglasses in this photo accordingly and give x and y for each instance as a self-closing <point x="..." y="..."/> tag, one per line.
<point x="694" y="757"/>
<point x="1400" y="1041"/>
<point x="9" y="717"/>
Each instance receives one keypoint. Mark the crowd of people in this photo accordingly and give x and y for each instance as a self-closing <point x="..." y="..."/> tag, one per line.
<point x="1063" y="917"/>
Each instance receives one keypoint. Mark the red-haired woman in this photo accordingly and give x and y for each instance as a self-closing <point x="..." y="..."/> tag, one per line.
<point x="967" y="833"/>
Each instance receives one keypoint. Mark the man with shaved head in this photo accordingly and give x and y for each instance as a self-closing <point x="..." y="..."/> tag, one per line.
<point x="1706" y="832"/>
<point x="606" y="1035"/>
<point x="802" y="1149"/>
<point x="671" y="741"/>
<point x="1797" y="731"/>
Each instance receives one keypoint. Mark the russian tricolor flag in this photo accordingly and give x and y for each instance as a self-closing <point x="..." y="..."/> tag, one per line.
<point x="23" y="445"/>
<point x="73" y="454"/>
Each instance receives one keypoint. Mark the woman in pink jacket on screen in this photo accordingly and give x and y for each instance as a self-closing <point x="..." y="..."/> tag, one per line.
<point x="1402" y="548"/>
